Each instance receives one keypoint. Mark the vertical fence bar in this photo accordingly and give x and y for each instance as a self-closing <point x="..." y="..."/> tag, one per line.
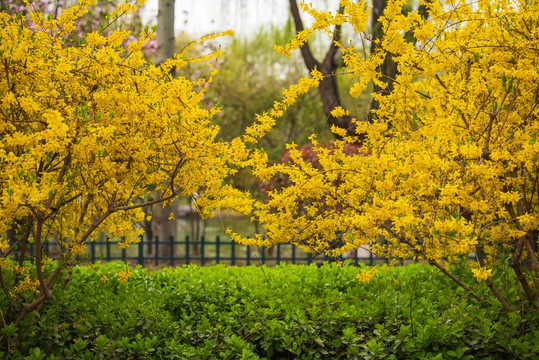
<point x="370" y="258"/>
<point x="293" y="254"/>
<point x="108" y="249"/>
<point x="124" y="254"/>
<point x="141" y="251"/>
<point x="217" y="249"/>
<point x="31" y="253"/>
<point x="187" y="249"/>
<point x="233" y="252"/>
<point x="47" y="248"/>
<point x="278" y="254"/>
<point x="156" y="248"/>
<point x="92" y="251"/>
<point x="248" y="249"/>
<point x="263" y="255"/>
<point x="171" y="250"/>
<point x="202" y="260"/>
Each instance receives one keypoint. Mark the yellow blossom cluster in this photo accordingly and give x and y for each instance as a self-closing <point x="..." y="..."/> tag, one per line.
<point x="482" y="273"/>
<point x="366" y="275"/>
<point x="123" y="276"/>
<point x="266" y="121"/>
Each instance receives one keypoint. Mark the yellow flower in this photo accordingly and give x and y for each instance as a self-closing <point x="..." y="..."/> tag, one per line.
<point x="124" y="275"/>
<point x="339" y="111"/>
<point x="366" y="275"/>
<point x="482" y="273"/>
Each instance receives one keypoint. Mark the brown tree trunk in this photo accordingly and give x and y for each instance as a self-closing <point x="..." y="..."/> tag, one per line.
<point x="329" y="91"/>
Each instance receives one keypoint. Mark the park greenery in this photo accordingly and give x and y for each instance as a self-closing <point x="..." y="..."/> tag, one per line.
<point x="283" y="312"/>
<point x="445" y="165"/>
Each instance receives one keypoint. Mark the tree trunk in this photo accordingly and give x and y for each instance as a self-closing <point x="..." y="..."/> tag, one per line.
<point x="329" y="91"/>
<point x="165" y="31"/>
<point x="164" y="228"/>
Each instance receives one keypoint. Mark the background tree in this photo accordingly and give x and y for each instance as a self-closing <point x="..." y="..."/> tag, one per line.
<point x="329" y="90"/>
<point x="163" y="224"/>
<point x="165" y="31"/>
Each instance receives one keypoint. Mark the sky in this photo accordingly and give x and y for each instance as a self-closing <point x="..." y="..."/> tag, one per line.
<point x="200" y="17"/>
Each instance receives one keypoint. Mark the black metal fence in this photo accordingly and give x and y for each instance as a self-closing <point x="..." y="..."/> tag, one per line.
<point x="173" y="252"/>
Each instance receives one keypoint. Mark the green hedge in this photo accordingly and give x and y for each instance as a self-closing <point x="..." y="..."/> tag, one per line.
<point x="285" y="312"/>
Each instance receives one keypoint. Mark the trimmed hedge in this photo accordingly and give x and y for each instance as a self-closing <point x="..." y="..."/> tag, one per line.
<point x="284" y="312"/>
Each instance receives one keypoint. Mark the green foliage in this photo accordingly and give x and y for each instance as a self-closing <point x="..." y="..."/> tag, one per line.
<point x="288" y="312"/>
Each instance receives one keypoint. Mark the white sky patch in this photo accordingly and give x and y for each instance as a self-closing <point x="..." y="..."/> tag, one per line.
<point x="201" y="17"/>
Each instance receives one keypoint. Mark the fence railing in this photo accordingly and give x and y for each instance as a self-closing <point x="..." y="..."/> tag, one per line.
<point x="173" y="252"/>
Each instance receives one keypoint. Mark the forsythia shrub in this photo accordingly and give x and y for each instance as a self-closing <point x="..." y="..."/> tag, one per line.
<point x="450" y="164"/>
<point x="86" y="132"/>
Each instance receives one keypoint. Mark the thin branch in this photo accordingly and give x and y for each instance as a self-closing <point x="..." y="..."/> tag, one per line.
<point x="493" y="289"/>
<point x="23" y="239"/>
<point x="531" y="255"/>
<point x="152" y="202"/>
<point x="39" y="260"/>
<point x="405" y="240"/>
<point x="454" y="278"/>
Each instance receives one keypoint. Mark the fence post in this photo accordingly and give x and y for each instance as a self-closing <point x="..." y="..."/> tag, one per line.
<point x="187" y="249"/>
<point x="217" y="249"/>
<point x="201" y="250"/>
<point x="92" y="251"/>
<point x="278" y="254"/>
<point x="293" y="254"/>
<point x="233" y="255"/>
<point x="171" y="250"/>
<point x="248" y="255"/>
<point x="141" y="251"/>
<point x="124" y="254"/>
<point x="157" y="251"/>
<point x="263" y="255"/>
